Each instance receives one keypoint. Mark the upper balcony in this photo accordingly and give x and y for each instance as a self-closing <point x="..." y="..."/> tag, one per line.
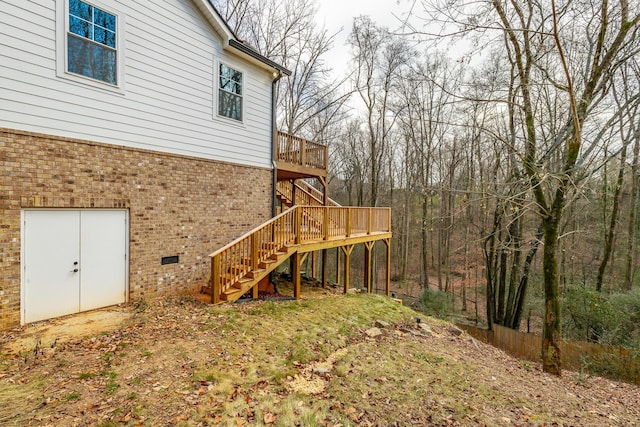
<point x="297" y="158"/>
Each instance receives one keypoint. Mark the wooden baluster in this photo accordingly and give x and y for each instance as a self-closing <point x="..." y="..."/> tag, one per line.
<point x="326" y="223"/>
<point x="298" y="219"/>
<point x="254" y="251"/>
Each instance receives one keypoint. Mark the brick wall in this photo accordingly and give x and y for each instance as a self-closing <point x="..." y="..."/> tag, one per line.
<point x="177" y="206"/>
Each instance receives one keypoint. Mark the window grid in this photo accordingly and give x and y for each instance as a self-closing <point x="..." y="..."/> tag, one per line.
<point x="91" y="42"/>
<point x="106" y="34"/>
<point x="230" y="92"/>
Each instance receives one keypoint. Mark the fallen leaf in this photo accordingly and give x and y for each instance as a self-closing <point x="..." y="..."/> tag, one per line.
<point x="269" y="418"/>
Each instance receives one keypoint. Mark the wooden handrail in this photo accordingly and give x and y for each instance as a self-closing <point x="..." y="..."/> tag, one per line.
<point x="228" y="245"/>
<point x="305" y="194"/>
<point x="299" y="151"/>
<point x="315" y="193"/>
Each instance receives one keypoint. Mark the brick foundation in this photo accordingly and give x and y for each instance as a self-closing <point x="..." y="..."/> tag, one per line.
<point x="177" y="206"/>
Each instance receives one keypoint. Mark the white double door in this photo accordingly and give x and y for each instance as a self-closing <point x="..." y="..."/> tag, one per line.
<point x="73" y="261"/>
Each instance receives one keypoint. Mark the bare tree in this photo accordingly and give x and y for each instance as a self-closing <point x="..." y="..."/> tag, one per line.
<point x="286" y="31"/>
<point x="379" y="56"/>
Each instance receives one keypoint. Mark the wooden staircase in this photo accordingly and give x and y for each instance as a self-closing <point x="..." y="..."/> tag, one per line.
<point x="239" y="266"/>
<point x="305" y="194"/>
<point x="307" y="225"/>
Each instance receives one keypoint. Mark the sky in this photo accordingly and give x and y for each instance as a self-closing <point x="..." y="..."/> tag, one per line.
<point x="337" y="16"/>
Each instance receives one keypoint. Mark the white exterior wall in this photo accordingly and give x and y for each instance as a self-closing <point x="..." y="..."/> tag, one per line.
<point x="168" y="99"/>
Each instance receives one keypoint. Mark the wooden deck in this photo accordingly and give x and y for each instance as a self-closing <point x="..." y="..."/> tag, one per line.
<point x="311" y="222"/>
<point x="298" y="158"/>
<point x="239" y="266"/>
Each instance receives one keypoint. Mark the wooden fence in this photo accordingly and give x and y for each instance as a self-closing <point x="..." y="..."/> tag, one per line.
<point x="616" y="362"/>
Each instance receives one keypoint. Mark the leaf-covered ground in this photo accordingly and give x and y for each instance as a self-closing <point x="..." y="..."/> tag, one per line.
<point x="309" y="362"/>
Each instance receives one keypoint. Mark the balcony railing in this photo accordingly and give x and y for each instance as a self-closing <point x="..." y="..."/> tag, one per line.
<point x="300" y="152"/>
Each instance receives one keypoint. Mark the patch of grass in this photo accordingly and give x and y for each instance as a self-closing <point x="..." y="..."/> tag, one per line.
<point x="401" y="373"/>
<point x="5" y="362"/>
<point x="107" y="359"/>
<point x="428" y="358"/>
<point x="140" y="305"/>
<point x="210" y="376"/>
<point x="71" y="397"/>
<point x="112" y="385"/>
<point x="86" y="375"/>
<point x="182" y="353"/>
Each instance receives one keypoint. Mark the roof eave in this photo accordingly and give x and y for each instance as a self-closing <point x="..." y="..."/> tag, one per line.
<point x="255" y="57"/>
<point x="230" y="40"/>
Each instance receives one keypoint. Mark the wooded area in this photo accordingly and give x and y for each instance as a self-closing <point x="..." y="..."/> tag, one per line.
<point x="511" y="170"/>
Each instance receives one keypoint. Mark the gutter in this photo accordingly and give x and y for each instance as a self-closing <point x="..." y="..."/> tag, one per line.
<point x="249" y="51"/>
<point x="277" y="77"/>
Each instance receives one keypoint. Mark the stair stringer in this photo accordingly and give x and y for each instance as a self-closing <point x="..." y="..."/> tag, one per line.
<point x="240" y="288"/>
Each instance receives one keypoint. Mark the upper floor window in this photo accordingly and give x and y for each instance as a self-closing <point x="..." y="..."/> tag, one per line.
<point x="230" y="92"/>
<point x="92" y="42"/>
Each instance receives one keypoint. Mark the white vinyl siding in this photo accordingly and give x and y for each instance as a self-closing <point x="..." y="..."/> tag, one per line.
<point x="168" y="103"/>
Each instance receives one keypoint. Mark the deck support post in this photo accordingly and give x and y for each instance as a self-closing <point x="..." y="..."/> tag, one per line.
<point x="293" y="192"/>
<point x="338" y="271"/>
<point x="368" y="248"/>
<point x="324" y="268"/>
<point x="325" y="190"/>
<point x="347" y="265"/>
<point x="295" y="274"/>
<point x="314" y="264"/>
<point x="387" y="289"/>
<point x="254" y="291"/>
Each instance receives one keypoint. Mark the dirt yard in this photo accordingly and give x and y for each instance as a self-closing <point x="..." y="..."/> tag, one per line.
<point x="314" y="362"/>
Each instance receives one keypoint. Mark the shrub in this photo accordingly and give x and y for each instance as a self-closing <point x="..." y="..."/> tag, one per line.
<point x="436" y="303"/>
<point x="611" y="319"/>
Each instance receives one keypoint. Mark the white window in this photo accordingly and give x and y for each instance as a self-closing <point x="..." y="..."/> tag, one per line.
<point x="229" y="92"/>
<point x="89" y="43"/>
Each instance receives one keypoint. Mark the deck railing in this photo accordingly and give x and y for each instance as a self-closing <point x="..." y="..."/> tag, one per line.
<point x="296" y="226"/>
<point x="236" y="260"/>
<point x="306" y="195"/>
<point x="315" y="193"/>
<point x="303" y="197"/>
<point x="298" y="151"/>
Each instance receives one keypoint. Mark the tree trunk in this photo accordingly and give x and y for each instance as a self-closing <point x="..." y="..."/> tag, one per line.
<point x="551" y="332"/>
<point x="632" y="227"/>
<point x="424" y="276"/>
<point x="608" y="243"/>
<point x="524" y="280"/>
